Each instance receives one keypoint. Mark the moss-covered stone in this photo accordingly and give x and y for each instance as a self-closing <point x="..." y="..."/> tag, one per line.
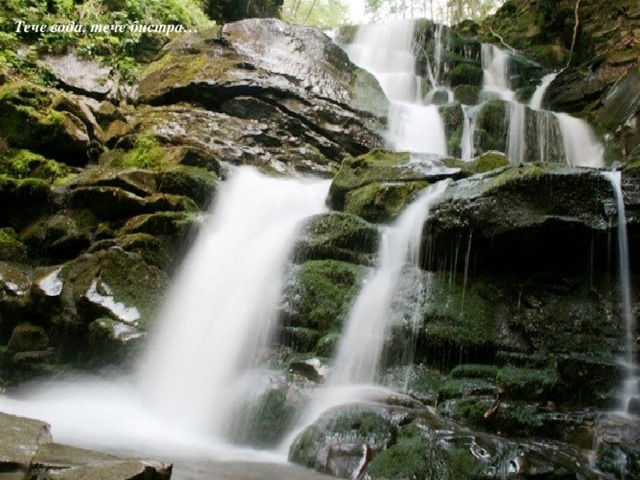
<point x="467" y="94"/>
<point x="381" y="202"/>
<point x="487" y="372"/>
<point x="466" y="74"/>
<point x="11" y="248"/>
<point x="27" y="121"/>
<point x="27" y="337"/>
<point x="337" y="236"/>
<point x="491" y="127"/>
<point x="318" y="295"/>
<point x="526" y="383"/>
<point x="486" y="162"/>
<point x="25" y="201"/>
<point x="25" y="164"/>
<point x="346" y="425"/>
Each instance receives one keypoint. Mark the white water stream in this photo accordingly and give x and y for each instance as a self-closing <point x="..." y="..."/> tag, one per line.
<point x="630" y="388"/>
<point x="218" y="314"/>
<point x="387" y="52"/>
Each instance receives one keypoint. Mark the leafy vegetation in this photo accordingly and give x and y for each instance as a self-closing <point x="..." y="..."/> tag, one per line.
<point x="123" y="46"/>
<point x="317" y="13"/>
<point x="449" y="11"/>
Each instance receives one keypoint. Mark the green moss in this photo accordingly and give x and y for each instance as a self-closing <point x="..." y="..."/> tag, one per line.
<point x="466" y="74"/>
<point x="458" y="316"/>
<point x="11" y="248"/>
<point x="171" y="70"/>
<point x="146" y="153"/>
<point x="526" y="383"/>
<point x="487" y="372"/>
<point x="25" y="164"/>
<point x="27" y="337"/>
<point x="457" y="388"/>
<point x="320" y="294"/>
<point x="381" y="202"/>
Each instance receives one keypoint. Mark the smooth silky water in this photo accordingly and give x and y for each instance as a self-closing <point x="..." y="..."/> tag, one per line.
<point x="217" y="315"/>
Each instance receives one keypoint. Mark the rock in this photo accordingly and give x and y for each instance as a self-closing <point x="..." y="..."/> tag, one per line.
<point x="265" y="412"/>
<point x="337" y="236"/>
<point x="484" y="163"/>
<point x="20" y="164"/>
<point x="318" y="294"/>
<point x="27" y="121"/>
<point x="466" y="94"/>
<point x="27" y="337"/>
<point x="14" y="298"/>
<point x="382" y="166"/>
<point x="369" y="427"/>
<point x="111" y="284"/>
<point x="57" y="237"/>
<point x="85" y="77"/>
<point x="58" y="462"/>
<point x="21" y="439"/>
<point x="25" y="201"/>
<point x="11" y="248"/>
<point x="113" y="342"/>
<point x="306" y="79"/>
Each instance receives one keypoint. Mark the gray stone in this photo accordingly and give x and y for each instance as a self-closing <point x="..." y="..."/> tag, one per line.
<point x="85" y="77"/>
<point x="21" y="438"/>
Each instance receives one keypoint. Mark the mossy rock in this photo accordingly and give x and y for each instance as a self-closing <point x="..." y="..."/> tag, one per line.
<point x="337" y="236"/>
<point x="527" y="383"/>
<point x="467" y="94"/>
<point x="463" y="387"/>
<point x="110" y="342"/>
<point x="11" y="248"/>
<point x="347" y="425"/>
<point x="491" y="127"/>
<point x="19" y="163"/>
<point x="27" y="121"/>
<point x="381" y="202"/>
<point x="453" y="119"/>
<point x="194" y="182"/>
<point x="27" y="337"/>
<point x="487" y="372"/>
<point x="56" y="237"/>
<point x="466" y="74"/>
<point x="318" y="294"/>
<point x="264" y="419"/>
<point x="486" y="162"/>
<point x="112" y="284"/>
<point x="25" y="201"/>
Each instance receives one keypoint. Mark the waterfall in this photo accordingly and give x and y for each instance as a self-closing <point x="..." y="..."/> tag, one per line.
<point x="220" y="311"/>
<point x="581" y="147"/>
<point x="358" y="355"/>
<point x="387" y="52"/>
<point x="538" y="96"/>
<point x="516" y="139"/>
<point x="467" y="145"/>
<point x="495" y="73"/>
<point x="362" y="341"/>
<point x="630" y="389"/>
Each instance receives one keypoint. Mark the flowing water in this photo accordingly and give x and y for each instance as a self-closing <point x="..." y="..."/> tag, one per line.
<point x="538" y="96"/>
<point x="632" y="379"/>
<point x="387" y="52"/>
<point x="581" y="146"/>
<point x="217" y="316"/>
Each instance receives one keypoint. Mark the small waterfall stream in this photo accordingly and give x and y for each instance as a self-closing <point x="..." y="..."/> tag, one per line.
<point x="630" y="389"/>
<point x="209" y="333"/>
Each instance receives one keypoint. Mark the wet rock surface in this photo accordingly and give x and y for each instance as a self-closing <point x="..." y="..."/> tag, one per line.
<point x="27" y="451"/>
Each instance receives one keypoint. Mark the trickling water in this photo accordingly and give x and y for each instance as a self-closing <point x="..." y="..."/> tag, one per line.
<point x="387" y="52"/>
<point x="495" y="68"/>
<point x="581" y="147"/>
<point x="538" y="96"/>
<point x="516" y="140"/>
<point x="361" y="344"/>
<point x="468" y="132"/>
<point x="630" y="388"/>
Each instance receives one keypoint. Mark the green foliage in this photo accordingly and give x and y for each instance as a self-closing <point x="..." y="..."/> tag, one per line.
<point x="118" y="49"/>
<point x="317" y="13"/>
<point x="451" y="11"/>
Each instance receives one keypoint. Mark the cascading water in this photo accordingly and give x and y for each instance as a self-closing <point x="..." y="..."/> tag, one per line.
<point x="516" y="144"/>
<point x="632" y="379"/>
<point x="468" y="132"/>
<point x="495" y="73"/>
<point x="387" y="52"/>
<point x="581" y="147"/>
<point x="359" y="351"/>
<point x="363" y="339"/>
<point x="221" y="310"/>
<point x="538" y="96"/>
<point x="215" y="320"/>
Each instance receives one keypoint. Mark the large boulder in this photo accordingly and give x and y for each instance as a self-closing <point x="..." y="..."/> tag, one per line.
<point x="27" y="120"/>
<point x="305" y="82"/>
